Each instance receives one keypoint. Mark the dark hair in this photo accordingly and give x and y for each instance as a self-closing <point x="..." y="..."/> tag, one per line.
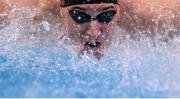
<point x="66" y="3"/>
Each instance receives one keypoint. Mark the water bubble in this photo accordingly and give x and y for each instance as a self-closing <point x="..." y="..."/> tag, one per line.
<point x="46" y="25"/>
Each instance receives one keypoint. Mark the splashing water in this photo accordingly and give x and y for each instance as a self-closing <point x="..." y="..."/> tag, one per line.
<point x="35" y="62"/>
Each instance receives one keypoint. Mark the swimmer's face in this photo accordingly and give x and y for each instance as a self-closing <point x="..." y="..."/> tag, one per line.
<point x="91" y="26"/>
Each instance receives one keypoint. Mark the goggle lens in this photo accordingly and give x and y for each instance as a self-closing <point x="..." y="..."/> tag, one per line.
<point x="81" y="17"/>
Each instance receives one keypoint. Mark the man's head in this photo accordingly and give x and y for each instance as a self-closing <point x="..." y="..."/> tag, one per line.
<point x="90" y="23"/>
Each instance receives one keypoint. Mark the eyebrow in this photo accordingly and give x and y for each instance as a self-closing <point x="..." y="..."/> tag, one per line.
<point x="106" y="8"/>
<point x="79" y="8"/>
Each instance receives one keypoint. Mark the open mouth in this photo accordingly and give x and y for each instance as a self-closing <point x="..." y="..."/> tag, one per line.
<point x="93" y="44"/>
<point x="93" y="47"/>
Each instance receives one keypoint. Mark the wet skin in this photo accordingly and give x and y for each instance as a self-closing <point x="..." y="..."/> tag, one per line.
<point x="93" y="36"/>
<point x="134" y="14"/>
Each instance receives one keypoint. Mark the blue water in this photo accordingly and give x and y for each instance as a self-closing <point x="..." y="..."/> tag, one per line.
<point x="45" y="71"/>
<point x="127" y="69"/>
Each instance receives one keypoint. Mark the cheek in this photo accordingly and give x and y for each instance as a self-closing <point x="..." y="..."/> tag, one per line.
<point x="73" y="29"/>
<point x="108" y="31"/>
<point x="71" y="25"/>
<point x="108" y="28"/>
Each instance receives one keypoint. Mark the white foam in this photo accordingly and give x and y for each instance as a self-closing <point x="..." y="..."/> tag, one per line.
<point x="41" y="63"/>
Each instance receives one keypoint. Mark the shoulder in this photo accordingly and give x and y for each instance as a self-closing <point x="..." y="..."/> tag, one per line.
<point x="144" y="11"/>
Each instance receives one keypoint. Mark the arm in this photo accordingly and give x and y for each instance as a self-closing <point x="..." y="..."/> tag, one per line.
<point x="43" y="6"/>
<point x="145" y="14"/>
<point x="4" y="10"/>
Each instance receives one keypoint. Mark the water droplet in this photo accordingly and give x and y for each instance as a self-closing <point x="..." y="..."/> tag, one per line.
<point x="46" y="25"/>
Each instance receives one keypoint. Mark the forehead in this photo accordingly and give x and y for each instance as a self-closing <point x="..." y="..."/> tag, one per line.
<point x="94" y="7"/>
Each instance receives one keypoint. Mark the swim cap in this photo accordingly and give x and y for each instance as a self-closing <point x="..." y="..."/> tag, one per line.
<point x="66" y="3"/>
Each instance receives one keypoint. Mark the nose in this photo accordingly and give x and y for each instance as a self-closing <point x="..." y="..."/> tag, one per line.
<point x="94" y="29"/>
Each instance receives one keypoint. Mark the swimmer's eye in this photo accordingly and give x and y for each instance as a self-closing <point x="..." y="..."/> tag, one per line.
<point x="106" y="17"/>
<point x="79" y="16"/>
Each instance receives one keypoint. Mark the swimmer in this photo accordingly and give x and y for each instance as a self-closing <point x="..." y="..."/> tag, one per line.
<point x="90" y="23"/>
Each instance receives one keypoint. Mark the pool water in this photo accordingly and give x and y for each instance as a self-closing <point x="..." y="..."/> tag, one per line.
<point x="127" y="69"/>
